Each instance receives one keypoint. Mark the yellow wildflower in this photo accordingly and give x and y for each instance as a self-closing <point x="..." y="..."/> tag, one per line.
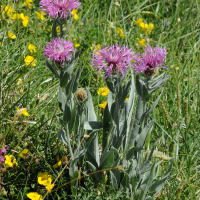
<point x="76" y="45"/>
<point x="23" y="154"/>
<point x="49" y="187"/>
<point x="120" y="33"/>
<point x="126" y="99"/>
<point x="32" y="48"/>
<point x="74" y="11"/>
<point x="151" y="27"/>
<point x="22" y="111"/>
<point x="91" y="48"/>
<point x="27" y="3"/>
<point x="60" y="161"/>
<point x="24" y="19"/>
<point x="10" y="161"/>
<point x="30" y="60"/>
<point x="141" y="42"/>
<point x="19" y="81"/>
<point x="103" y="105"/>
<point x="44" y="178"/>
<point x="98" y="46"/>
<point x="11" y="35"/>
<point x="144" y="27"/>
<point x="16" y="16"/>
<point x="8" y="10"/>
<point x="138" y="21"/>
<point x="34" y="196"/>
<point x="41" y="15"/>
<point x="103" y="91"/>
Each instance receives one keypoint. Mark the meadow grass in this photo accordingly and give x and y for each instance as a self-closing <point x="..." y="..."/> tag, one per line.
<point x="177" y="27"/>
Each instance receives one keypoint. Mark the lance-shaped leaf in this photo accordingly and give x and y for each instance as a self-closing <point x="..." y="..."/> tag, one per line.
<point x="151" y="108"/>
<point x="158" y="185"/>
<point x="109" y="85"/>
<point x="147" y="163"/>
<point x="73" y="118"/>
<point x="54" y="31"/>
<point x="148" y="181"/>
<point x="107" y="160"/>
<point x="74" y="183"/>
<point x="62" y="137"/>
<point x="141" y="88"/>
<point x="67" y="113"/>
<point x="93" y="125"/>
<point x="76" y="80"/>
<point x="141" y="138"/>
<point x="113" y="180"/>
<point x="52" y="69"/>
<point x="78" y="155"/>
<point x="107" y="125"/>
<point x="123" y="92"/>
<point x="60" y="120"/>
<point x="90" y="113"/>
<point x="97" y="175"/>
<point x="61" y="99"/>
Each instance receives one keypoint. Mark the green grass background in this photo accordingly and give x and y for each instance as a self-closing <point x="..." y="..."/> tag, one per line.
<point x="177" y="27"/>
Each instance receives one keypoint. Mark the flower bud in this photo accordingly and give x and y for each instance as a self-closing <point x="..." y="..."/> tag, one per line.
<point x="81" y="95"/>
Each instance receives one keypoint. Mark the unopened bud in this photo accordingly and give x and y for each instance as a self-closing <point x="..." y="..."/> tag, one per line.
<point x="86" y="136"/>
<point x="81" y="95"/>
<point x="117" y="4"/>
<point x="119" y="168"/>
<point x="151" y="72"/>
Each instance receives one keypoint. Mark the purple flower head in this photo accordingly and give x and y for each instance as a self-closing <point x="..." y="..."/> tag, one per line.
<point x="59" y="50"/>
<point x="150" y="59"/>
<point x="59" y="8"/>
<point x="113" y="59"/>
<point x="3" y="151"/>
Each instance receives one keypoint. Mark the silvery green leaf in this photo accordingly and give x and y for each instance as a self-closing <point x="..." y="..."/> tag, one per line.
<point x="148" y="181"/>
<point x="92" y="161"/>
<point x="133" y="134"/>
<point x="113" y="180"/>
<point x="90" y="113"/>
<point x="123" y="92"/>
<point x="107" y="126"/>
<point x="158" y="185"/>
<point x="97" y="176"/>
<point x="62" y="137"/>
<point x="52" y="69"/>
<point x="109" y="85"/>
<point x="107" y="160"/>
<point x="141" y="89"/>
<point x="92" y="148"/>
<point x="141" y="138"/>
<point x="54" y="31"/>
<point x="151" y="108"/>
<point x="67" y="113"/>
<point x="79" y="154"/>
<point x="73" y="118"/>
<point x="147" y="163"/>
<point x="93" y="125"/>
<point x="130" y="153"/>
<point x="139" y="108"/>
<point x="125" y="180"/>
<point x="68" y="26"/>
<point x="61" y="99"/>
<point x="76" y="80"/>
<point x="132" y="169"/>
<point x="109" y="101"/>
<point x="74" y="183"/>
<point x="60" y="120"/>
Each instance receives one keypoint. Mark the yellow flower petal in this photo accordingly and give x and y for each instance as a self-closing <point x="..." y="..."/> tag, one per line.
<point x="34" y="196"/>
<point x="23" y="154"/>
<point x="11" y="35"/>
<point x="30" y="60"/>
<point x="44" y="178"/>
<point x="103" y="105"/>
<point x="138" y="21"/>
<point x="22" y="111"/>
<point x="10" y="161"/>
<point x="76" y="45"/>
<point x="49" y="187"/>
<point x="41" y="15"/>
<point x="32" y="48"/>
<point x="103" y="91"/>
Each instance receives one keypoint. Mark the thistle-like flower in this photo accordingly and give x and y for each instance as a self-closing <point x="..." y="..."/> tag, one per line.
<point x="58" y="50"/>
<point x="149" y="60"/>
<point x="113" y="60"/>
<point x="59" y="8"/>
<point x="81" y="95"/>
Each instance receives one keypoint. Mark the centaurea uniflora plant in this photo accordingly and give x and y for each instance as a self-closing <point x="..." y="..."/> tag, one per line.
<point x="124" y="128"/>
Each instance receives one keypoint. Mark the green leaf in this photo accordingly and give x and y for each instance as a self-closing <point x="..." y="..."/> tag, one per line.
<point x="76" y="80"/>
<point x="141" y="89"/>
<point x="93" y="125"/>
<point x="52" y="69"/>
<point x="20" y="196"/>
<point x="74" y="183"/>
<point x="62" y="137"/>
<point x="107" y="126"/>
<point x="141" y="138"/>
<point x="67" y="113"/>
<point x="113" y="180"/>
<point x="54" y="31"/>
<point x="109" y="85"/>
<point x="90" y="113"/>
<point x="123" y="92"/>
<point x="61" y="99"/>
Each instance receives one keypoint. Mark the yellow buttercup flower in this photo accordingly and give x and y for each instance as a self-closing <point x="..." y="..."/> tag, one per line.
<point x="49" y="187"/>
<point x="103" y="91"/>
<point x="41" y="15"/>
<point x="34" y="196"/>
<point x="76" y="45"/>
<point x="23" y="154"/>
<point x="10" y="161"/>
<point x="24" y="19"/>
<point x="30" y="60"/>
<point x="27" y="3"/>
<point x="22" y="111"/>
<point x="60" y="161"/>
<point x="141" y="42"/>
<point x="103" y="105"/>
<point x="16" y="16"/>
<point x="74" y="11"/>
<point x="138" y="21"/>
<point x="11" y="35"/>
<point x="44" y="178"/>
<point x="32" y="48"/>
<point x="120" y="33"/>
